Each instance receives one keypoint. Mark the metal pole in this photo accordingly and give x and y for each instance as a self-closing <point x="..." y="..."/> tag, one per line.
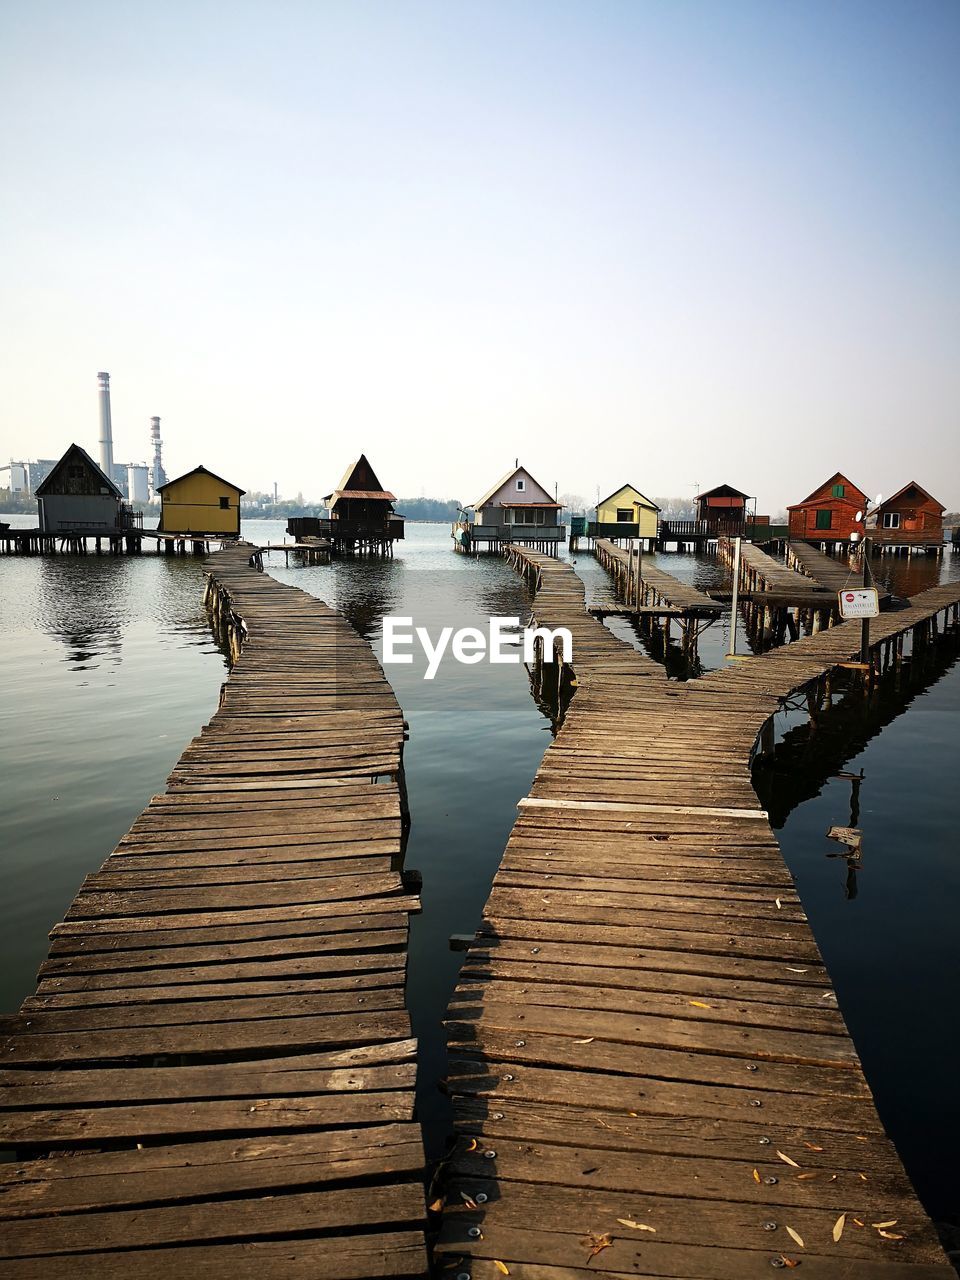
<point x="865" y="623"/>
<point x="734" y="603"/>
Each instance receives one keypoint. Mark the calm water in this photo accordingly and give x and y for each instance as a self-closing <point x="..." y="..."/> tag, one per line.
<point x="110" y="669"/>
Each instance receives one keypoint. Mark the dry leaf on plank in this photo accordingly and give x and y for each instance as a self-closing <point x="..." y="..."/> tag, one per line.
<point x="597" y="1244"/>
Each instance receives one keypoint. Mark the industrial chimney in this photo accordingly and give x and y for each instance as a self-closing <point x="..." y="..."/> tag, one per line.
<point x="158" y="475"/>
<point x="106" y="426"/>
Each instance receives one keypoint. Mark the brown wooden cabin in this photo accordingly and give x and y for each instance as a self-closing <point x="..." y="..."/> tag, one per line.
<point x="829" y="513"/>
<point x="723" y="510"/>
<point x="362" y="517"/>
<point x="911" y="518"/>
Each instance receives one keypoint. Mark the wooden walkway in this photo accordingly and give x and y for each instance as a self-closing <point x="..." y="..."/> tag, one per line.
<point x="829" y="571"/>
<point x="215" y="1077"/>
<point x="761" y="573"/>
<point x="649" y="1071"/>
<point x="654" y="586"/>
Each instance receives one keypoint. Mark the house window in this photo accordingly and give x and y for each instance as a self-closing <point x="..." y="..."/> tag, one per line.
<point x="624" y="515"/>
<point x="824" y="518"/>
<point x="521" y="485"/>
<point x="224" y="504"/>
<point x="891" y="519"/>
<point x="837" y="491"/>
<point x="541" y="515"/>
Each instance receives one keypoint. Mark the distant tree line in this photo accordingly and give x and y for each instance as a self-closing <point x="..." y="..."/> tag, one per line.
<point x="432" y="509"/>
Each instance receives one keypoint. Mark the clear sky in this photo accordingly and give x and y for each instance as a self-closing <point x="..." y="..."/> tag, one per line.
<point x="668" y="243"/>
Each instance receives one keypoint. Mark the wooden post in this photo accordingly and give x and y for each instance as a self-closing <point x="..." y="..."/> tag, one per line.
<point x="732" y="651"/>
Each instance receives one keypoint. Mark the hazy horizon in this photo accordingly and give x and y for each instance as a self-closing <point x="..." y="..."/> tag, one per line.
<point x="663" y="244"/>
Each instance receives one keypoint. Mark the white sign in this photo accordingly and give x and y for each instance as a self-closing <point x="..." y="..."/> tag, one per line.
<point x="859" y="602"/>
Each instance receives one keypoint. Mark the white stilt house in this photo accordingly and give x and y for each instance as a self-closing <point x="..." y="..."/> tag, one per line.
<point x="517" y="509"/>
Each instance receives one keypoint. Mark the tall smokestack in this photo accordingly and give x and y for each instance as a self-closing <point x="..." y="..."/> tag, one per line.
<point x="158" y="475"/>
<point x="106" y="426"/>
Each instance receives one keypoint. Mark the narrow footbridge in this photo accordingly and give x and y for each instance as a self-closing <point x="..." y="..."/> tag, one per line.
<point x="650" y="1073"/>
<point x="215" y="1077"/>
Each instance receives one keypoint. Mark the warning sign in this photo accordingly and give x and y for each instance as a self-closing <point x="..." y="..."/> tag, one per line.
<point x="859" y="602"/>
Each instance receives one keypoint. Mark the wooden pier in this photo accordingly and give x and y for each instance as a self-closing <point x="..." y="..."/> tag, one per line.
<point x="830" y="572"/>
<point x="777" y="600"/>
<point x="215" y="1077"/>
<point x="657" y="598"/>
<point x="649" y="1070"/>
<point x="84" y="541"/>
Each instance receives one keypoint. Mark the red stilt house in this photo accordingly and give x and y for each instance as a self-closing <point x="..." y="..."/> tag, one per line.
<point x="723" y="510"/>
<point x="911" y="518"/>
<point x="829" y="514"/>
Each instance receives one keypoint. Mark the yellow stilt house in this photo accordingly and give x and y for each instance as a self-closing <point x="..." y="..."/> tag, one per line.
<point x="200" y="502"/>
<point x="629" y="509"/>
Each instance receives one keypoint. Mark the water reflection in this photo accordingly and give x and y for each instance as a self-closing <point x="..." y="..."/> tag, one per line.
<point x="814" y="750"/>
<point x="109" y="670"/>
<point x="85" y="609"/>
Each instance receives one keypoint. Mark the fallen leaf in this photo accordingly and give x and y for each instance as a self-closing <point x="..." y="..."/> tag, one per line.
<point x="589" y="1040"/>
<point x="472" y="1144"/>
<point x="698" y="1004"/>
<point x="812" y="1147"/>
<point x="858" y="1222"/>
<point x="468" y="1200"/>
<point x="633" y="1113"/>
<point x="788" y="1262"/>
<point x="437" y="1205"/>
<point x="891" y="1235"/>
<point x="862" y="1177"/>
<point x="832" y="1178"/>
<point x="802" y="1177"/>
<point x="860" y="1138"/>
<point x="597" y="1244"/>
<point x="779" y="904"/>
<point x="787" y="1160"/>
<point x="795" y="1235"/>
<point x="838" y="1227"/>
<point x="756" y="1176"/>
<point x="791" y="970"/>
<point x="637" y="1226"/>
<point x="881" y="1226"/>
<point x="501" y="1267"/>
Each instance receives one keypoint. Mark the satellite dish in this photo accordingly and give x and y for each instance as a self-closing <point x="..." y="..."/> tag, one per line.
<point x="858" y="517"/>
